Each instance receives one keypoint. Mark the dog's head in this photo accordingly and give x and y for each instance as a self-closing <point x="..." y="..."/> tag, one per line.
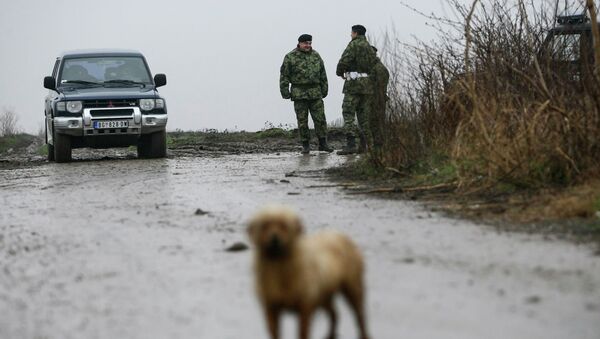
<point x="273" y="230"/>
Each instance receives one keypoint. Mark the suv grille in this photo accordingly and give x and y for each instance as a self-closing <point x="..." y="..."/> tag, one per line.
<point x="110" y="112"/>
<point x="110" y="103"/>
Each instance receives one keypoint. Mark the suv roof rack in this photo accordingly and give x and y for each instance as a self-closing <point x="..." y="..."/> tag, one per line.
<point x="572" y="19"/>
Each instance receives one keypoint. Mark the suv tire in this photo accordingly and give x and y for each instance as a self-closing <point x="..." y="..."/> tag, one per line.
<point x="50" y="152"/>
<point x="62" y="148"/>
<point x="153" y="145"/>
<point x="50" y="148"/>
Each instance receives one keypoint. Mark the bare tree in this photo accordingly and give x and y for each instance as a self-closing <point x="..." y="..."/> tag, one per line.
<point x="8" y="122"/>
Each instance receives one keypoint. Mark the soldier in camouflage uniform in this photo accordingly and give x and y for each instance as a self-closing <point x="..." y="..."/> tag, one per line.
<point x="304" y="69"/>
<point x="355" y="66"/>
<point x="380" y="77"/>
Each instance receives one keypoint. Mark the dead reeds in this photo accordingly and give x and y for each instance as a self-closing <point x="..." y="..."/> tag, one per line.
<point x="503" y="99"/>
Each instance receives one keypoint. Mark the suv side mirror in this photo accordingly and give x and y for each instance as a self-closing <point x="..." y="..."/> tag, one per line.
<point x="50" y="83"/>
<point x="160" y="80"/>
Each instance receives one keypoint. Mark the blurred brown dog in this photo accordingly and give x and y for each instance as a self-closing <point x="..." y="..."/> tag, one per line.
<point x="301" y="273"/>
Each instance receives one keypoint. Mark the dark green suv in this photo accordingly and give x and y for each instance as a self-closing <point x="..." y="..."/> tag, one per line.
<point x="103" y="99"/>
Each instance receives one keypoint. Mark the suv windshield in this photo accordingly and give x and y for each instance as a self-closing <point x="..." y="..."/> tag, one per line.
<point x="117" y="71"/>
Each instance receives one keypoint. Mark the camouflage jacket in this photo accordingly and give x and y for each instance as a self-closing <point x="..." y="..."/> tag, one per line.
<point x="357" y="57"/>
<point x="380" y="74"/>
<point x="305" y="71"/>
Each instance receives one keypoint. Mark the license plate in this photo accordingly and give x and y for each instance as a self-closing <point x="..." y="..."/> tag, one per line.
<point x="111" y="124"/>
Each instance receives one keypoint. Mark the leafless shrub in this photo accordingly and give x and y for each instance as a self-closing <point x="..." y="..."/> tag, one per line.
<point x="490" y="97"/>
<point x="8" y="122"/>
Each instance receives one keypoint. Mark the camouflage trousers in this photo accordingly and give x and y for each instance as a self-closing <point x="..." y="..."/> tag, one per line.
<point x="377" y="116"/>
<point x="359" y="106"/>
<point x="317" y="112"/>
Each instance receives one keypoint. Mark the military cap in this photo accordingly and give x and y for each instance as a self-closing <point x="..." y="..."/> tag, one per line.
<point x="305" y="37"/>
<point x="360" y="29"/>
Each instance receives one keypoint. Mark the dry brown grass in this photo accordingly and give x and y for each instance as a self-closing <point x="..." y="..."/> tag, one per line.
<point x="487" y="97"/>
<point x="579" y="201"/>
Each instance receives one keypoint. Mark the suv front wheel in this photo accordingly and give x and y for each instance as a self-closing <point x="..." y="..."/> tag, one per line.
<point x="62" y="148"/>
<point x="50" y="148"/>
<point x="152" y="145"/>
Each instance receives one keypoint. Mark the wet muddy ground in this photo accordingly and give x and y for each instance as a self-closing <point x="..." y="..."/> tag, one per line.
<point x="110" y="246"/>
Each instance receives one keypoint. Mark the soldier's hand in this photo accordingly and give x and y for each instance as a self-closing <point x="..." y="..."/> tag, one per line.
<point x="286" y="95"/>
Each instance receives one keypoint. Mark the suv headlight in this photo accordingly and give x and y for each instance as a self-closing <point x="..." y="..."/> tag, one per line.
<point x="69" y="106"/>
<point x="150" y="104"/>
<point x="147" y="104"/>
<point x="74" y="106"/>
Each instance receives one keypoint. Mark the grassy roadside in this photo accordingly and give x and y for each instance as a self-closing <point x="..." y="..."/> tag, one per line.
<point x="570" y="212"/>
<point x="181" y="138"/>
<point x="15" y="143"/>
<point x="267" y="140"/>
<point x="178" y="138"/>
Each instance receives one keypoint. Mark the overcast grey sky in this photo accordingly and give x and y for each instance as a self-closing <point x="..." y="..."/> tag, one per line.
<point x="221" y="57"/>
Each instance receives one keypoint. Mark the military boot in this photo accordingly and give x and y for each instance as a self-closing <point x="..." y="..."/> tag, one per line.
<point x="305" y="147"/>
<point x="323" y="147"/>
<point x="350" y="147"/>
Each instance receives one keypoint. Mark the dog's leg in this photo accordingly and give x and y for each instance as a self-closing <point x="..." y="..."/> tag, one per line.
<point x="272" y="313"/>
<point x="332" y="319"/>
<point x="305" y="319"/>
<point x="355" y="296"/>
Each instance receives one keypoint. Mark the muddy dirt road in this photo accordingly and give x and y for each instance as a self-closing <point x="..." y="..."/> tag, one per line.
<point x="128" y="248"/>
